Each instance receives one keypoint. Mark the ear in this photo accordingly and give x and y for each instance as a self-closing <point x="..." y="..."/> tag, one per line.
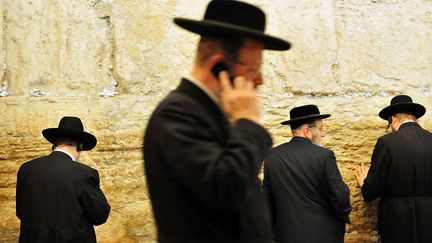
<point x="305" y="131"/>
<point x="215" y="59"/>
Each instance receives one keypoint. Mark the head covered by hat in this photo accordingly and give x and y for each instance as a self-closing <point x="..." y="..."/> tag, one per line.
<point x="304" y="114"/>
<point x="72" y="128"/>
<point x="402" y="104"/>
<point x="229" y="18"/>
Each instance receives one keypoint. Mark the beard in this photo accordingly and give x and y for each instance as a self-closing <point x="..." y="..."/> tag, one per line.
<point x="316" y="139"/>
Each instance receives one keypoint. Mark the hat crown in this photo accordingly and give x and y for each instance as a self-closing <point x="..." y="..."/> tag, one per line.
<point x="401" y="99"/>
<point x="70" y="127"/>
<point x="303" y="111"/>
<point x="71" y="123"/>
<point x="402" y="104"/>
<point x="236" y="13"/>
<point x="304" y="114"/>
<point x="230" y="19"/>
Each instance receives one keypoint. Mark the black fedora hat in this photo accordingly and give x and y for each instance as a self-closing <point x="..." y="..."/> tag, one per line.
<point x="304" y="114"/>
<point x="70" y="127"/>
<point x="233" y="19"/>
<point x="402" y="104"/>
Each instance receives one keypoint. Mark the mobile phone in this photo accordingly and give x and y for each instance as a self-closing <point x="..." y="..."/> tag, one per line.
<point x="219" y="67"/>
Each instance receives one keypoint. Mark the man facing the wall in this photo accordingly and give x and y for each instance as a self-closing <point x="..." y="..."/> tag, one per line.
<point x="308" y="199"/>
<point x="401" y="175"/>
<point x="204" y="145"/>
<point x="59" y="199"/>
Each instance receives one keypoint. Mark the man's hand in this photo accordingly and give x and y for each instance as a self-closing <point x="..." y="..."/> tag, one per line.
<point x="361" y="173"/>
<point x="239" y="100"/>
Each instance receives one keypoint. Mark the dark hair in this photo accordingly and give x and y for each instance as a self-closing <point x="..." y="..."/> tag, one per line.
<point x="230" y="48"/>
<point x="390" y="119"/>
<point x="310" y="123"/>
<point x="67" y="141"/>
<point x="399" y="115"/>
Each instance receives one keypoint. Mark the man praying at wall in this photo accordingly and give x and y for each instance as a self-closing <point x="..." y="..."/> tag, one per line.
<point x="309" y="201"/>
<point x="401" y="175"/>
<point x="58" y="199"/>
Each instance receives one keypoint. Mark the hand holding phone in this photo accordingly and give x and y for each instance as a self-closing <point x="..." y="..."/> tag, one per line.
<point x="219" y="67"/>
<point x="238" y="101"/>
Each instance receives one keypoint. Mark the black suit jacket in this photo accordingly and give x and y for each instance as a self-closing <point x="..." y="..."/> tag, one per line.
<point x="202" y="173"/>
<point x="306" y="193"/>
<point x="59" y="200"/>
<point x="401" y="174"/>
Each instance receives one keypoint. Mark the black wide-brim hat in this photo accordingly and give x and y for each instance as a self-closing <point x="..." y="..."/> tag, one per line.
<point x="304" y="114"/>
<point x="72" y="128"/>
<point x="228" y="18"/>
<point x="402" y="104"/>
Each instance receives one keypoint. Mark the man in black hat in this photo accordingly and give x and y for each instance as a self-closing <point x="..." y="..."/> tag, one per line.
<point x="401" y="175"/>
<point x="58" y="199"/>
<point x="204" y="145"/>
<point x="308" y="199"/>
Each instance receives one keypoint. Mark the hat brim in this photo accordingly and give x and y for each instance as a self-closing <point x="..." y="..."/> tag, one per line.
<point x="416" y="109"/>
<point x="209" y="27"/>
<point x="88" y="140"/>
<point x="305" y="118"/>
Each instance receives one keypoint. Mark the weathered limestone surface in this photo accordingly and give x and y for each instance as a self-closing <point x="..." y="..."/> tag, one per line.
<point x="348" y="57"/>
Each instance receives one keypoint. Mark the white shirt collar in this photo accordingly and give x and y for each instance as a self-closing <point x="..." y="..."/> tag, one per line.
<point x="203" y="88"/>
<point x="61" y="150"/>
<point x="404" y="123"/>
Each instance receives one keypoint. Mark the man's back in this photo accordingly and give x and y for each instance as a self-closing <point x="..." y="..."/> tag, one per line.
<point x="410" y="170"/>
<point x="401" y="175"/>
<point x="59" y="200"/>
<point x="303" y="180"/>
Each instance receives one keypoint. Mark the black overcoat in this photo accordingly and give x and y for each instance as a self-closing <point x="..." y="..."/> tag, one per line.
<point x="202" y="172"/>
<point x="59" y="200"/>
<point x="308" y="199"/>
<point x="401" y="175"/>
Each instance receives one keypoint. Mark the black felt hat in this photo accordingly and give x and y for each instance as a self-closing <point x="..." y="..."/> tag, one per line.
<point x="71" y="127"/>
<point x="304" y="114"/>
<point x="402" y="104"/>
<point x="228" y="18"/>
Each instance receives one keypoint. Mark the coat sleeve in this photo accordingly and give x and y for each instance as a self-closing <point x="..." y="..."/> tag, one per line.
<point x="215" y="173"/>
<point x="93" y="200"/>
<point x="338" y="190"/>
<point x="374" y="184"/>
<point x="268" y="194"/>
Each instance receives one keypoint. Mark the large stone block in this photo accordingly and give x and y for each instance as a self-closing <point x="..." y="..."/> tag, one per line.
<point x="57" y="48"/>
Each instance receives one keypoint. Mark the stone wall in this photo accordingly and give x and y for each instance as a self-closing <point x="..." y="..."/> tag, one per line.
<point x="110" y="62"/>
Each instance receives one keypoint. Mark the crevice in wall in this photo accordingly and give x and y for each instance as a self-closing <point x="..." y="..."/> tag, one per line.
<point x="4" y="91"/>
<point x="103" y="10"/>
<point x="346" y="95"/>
<point x="111" y="90"/>
<point x="115" y="75"/>
<point x="335" y="67"/>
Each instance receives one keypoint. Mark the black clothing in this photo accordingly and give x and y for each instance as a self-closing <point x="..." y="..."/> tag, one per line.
<point x="401" y="174"/>
<point x="308" y="199"/>
<point x="59" y="200"/>
<point x="202" y="172"/>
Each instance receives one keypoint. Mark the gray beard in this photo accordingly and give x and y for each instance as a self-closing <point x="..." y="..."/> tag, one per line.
<point x="316" y="143"/>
